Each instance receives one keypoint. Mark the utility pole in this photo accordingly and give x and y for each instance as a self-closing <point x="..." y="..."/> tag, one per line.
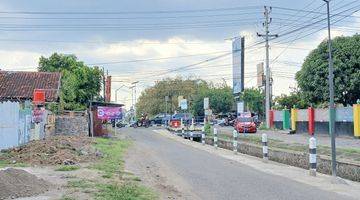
<point x="267" y="67"/>
<point x="134" y="105"/>
<point x="103" y="75"/>
<point x="331" y="91"/>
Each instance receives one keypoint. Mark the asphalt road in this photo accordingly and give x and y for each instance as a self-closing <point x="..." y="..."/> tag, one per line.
<point x="210" y="176"/>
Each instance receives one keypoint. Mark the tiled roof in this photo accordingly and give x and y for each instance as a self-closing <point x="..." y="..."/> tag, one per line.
<point x="21" y="85"/>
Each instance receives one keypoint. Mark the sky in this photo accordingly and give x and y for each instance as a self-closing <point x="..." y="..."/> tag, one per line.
<point x="147" y="40"/>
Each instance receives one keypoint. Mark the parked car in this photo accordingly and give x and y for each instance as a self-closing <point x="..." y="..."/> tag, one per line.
<point x="245" y="125"/>
<point x="157" y="119"/>
<point x="175" y="120"/>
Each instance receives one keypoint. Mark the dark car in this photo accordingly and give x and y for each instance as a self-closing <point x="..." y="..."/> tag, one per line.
<point x="175" y="120"/>
<point x="160" y="118"/>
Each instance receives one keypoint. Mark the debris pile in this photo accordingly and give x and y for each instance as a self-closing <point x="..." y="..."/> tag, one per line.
<point x="52" y="151"/>
<point x="15" y="183"/>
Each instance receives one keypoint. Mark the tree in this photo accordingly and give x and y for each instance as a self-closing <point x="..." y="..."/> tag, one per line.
<point x="152" y="100"/>
<point x="254" y="100"/>
<point x="313" y="77"/>
<point x="220" y="99"/>
<point x="294" y="99"/>
<point x="79" y="83"/>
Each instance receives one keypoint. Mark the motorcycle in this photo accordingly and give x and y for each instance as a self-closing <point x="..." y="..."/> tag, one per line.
<point x="143" y="122"/>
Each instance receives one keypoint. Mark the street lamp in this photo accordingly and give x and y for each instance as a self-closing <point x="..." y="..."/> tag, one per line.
<point x="331" y="92"/>
<point x="116" y="91"/>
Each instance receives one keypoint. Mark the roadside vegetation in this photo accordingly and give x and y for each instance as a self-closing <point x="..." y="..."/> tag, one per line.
<point x="116" y="184"/>
<point x="68" y="168"/>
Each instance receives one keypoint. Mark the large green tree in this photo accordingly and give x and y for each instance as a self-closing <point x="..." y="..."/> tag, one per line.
<point x="79" y="83"/>
<point x="313" y="76"/>
<point x="220" y="97"/>
<point x="254" y="100"/>
<point x="152" y="99"/>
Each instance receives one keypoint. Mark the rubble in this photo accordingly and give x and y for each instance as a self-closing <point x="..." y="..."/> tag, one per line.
<point x="15" y="183"/>
<point x="55" y="150"/>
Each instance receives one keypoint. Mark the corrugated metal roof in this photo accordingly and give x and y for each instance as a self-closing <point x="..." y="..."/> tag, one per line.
<point x="21" y="85"/>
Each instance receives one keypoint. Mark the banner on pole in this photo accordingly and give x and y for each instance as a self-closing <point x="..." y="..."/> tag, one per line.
<point x="206" y="103"/>
<point x="240" y="107"/>
<point x="183" y="104"/>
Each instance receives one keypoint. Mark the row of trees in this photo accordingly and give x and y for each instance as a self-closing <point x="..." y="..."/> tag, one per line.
<point x="152" y="99"/>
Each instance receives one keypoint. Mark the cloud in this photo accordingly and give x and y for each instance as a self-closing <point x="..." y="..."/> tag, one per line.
<point x="19" y="60"/>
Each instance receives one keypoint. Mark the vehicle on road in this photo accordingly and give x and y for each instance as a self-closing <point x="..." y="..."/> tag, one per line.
<point x="175" y="121"/>
<point x="142" y="122"/>
<point x="160" y="119"/>
<point x="245" y="125"/>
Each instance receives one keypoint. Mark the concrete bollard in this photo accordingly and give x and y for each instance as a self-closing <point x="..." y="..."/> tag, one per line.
<point x="203" y="135"/>
<point x="235" y="142"/>
<point x="215" y="138"/>
<point x="312" y="156"/>
<point x="183" y="132"/>
<point x="191" y="136"/>
<point x="264" y="140"/>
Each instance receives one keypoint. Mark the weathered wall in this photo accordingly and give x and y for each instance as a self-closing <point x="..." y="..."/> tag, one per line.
<point x="345" y="169"/>
<point x="72" y="125"/>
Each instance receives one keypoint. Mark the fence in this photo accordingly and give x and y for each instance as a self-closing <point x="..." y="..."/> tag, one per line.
<point x="16" y="126"/>
<point x="72" y="123"/>
<point x="317" y="120"/>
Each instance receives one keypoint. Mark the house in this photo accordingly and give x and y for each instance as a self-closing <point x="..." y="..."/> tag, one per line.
<point x="20" y="119"/>
<point x="20" y="86"/>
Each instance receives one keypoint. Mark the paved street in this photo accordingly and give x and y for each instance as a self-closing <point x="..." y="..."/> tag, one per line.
<point x="197" y="174"/>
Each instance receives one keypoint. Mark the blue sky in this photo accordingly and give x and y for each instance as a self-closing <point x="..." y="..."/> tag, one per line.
<point x="109" y="30"/>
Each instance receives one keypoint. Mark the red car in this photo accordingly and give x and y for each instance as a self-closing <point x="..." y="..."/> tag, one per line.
<point x="245" y="125"/>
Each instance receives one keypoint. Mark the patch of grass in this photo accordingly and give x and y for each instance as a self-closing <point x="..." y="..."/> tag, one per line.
<point x="68" y="168"/>
<point x="124" y="192"/>
<point x="113" y="151"/>
<point x="6" y="163"/>
<point x="136" y="179"/>
<point x="83" y="184"/>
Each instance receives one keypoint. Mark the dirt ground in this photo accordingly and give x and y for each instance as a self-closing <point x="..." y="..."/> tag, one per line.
<point x="16" y="183"/>
<point x="60" y="188"/>
<point x="40" y="179"/>
<point x="52" y="151"/>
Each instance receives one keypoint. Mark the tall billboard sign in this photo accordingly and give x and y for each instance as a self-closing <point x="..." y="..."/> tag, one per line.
<point x="238" y="45"/>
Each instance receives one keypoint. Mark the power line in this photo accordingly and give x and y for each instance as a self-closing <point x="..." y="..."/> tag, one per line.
<point x="127" y="12"/>
<point x="155" y="59"/>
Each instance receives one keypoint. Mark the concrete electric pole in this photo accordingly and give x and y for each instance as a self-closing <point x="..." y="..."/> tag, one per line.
<point x="331" y="91"/>
<point x="267" y="67"/>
